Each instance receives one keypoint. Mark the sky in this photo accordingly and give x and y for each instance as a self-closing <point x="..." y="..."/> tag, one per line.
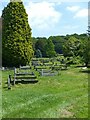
<point x="55" y="17"/>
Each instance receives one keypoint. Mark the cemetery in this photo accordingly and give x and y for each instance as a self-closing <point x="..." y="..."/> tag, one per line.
<point x="27" y="73"/>
<point x="44" y="94"/>
<point x="42" y="77"/>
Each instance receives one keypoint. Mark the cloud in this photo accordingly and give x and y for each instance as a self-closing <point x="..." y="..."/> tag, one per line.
<point x="42" y="15"/>
<point x="73" y="8"/>
<point x="81" y="13"/>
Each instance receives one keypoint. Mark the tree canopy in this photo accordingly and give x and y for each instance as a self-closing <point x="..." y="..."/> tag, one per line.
<point x="50" y="51"/>
<point x="71" y="47"/>
<point x="16" y="35"/>
<point x="74" y="45"/>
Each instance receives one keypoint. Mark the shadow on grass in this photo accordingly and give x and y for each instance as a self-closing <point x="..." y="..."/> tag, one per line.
<point x="20" y="82"/>
<point x="23" y="82"/>
<point x="26" y="82"/>
<point x="85" y="71"/>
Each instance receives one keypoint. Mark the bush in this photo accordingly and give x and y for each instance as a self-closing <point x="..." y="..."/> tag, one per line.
<point x="74" y="60"/>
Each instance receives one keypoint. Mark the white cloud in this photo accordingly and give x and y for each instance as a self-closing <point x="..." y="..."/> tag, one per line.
<point x="73" y="8"/>
<point x="71" y="27"/>
<point x="81" y="13"/>
<point x="42" y="15"/>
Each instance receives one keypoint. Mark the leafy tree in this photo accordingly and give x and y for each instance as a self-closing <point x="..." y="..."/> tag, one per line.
<point x="40" y="44"/>
<point x="16" y="35"/>
<point x="58" y="42"/>
<point x="34" y="40"/>
<point x="38" y="53"/>
<point x="71" y="47"/>
<point x="50" y="51"/>
<point x="86" y="54"/>
<point x="82" y="46"/>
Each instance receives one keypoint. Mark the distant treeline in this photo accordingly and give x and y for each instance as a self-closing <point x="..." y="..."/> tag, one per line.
<point x="70" y="46"/>
<point x="59" y="44"/>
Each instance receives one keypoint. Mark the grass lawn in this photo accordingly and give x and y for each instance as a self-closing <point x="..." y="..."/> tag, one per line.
<point x="61" y="96"/>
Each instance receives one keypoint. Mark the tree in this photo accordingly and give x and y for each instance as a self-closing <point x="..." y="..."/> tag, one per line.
<point x="38" y="53"/>
<point x="71" y="47"/>
<point x="50" y="51"/>
<point x="58" y="42"/>
<point x="40" y="44"/>
<point x="86" y="53"/>
<point x="16" y="35"/>
<point x="34" y="40"/>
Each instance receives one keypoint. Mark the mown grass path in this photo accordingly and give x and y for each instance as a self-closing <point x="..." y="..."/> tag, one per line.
<point x="63" y="96"/>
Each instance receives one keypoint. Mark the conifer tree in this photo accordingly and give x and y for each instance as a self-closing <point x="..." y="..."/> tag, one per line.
<point x="16" y="35"/>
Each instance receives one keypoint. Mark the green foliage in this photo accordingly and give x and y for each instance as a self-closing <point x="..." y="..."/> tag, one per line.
<point x="74" y="60"/>
<point x="86" y="54"/>
<point x="74" y="46"/>
<point x="40" y="44"/>
<point x="78" y="47"/>
<point x="34" y="40"/>
<point x="71" y="47"/>
<point x="38" y="53"/>
<point x="58" y="42"/>
<point x="16" y="35"/>
<point x="46" y="47"/>
<point x="50" y="52"/>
